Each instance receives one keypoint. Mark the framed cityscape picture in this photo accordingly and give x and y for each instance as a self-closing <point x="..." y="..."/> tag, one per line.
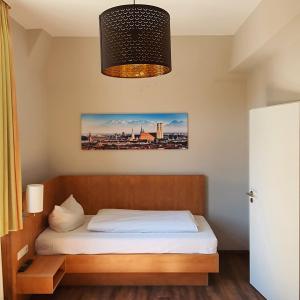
<point x="134" y="131"/>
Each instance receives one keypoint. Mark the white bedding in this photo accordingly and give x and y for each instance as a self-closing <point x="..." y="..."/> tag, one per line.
<point x="82" y="241"/>
<point x="127" y="220"/>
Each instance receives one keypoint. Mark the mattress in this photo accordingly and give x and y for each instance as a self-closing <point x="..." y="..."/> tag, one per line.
<point x="82" y="241"/>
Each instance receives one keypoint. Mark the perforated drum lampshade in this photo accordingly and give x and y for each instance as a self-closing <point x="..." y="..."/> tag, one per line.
<point x="135" y="41"/>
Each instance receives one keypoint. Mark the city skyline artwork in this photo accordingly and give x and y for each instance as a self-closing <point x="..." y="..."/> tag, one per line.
<point x="134" y="131"/>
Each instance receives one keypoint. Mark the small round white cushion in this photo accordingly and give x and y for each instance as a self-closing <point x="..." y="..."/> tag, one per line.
<point x="66" y="217"/>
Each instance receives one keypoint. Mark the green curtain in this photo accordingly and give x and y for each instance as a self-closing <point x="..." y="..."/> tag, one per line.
<point x="10" y="170"/>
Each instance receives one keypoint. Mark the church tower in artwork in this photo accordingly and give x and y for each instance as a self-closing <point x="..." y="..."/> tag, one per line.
<point x="132" y="138"/>
<point x="90" y="138"/>
<point x="159" y="131"/>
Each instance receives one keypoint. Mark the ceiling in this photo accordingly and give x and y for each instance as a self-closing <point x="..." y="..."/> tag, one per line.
<point x="80" y="17"/>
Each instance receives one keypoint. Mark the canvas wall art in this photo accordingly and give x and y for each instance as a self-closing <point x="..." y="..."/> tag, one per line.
<point x="134" y="131"/>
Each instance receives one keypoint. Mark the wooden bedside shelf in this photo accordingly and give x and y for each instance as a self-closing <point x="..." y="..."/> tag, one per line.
<point x="43" y="276"/>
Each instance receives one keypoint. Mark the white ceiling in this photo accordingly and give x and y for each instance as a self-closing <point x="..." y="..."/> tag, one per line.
<point x="80" y="17"/>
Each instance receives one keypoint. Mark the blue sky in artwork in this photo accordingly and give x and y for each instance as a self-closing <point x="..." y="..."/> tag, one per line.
<point x="115" y="123"/>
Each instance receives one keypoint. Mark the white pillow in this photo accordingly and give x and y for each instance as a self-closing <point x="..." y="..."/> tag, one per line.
<point x="72" y="205"/>
<point x="67" y="217"/>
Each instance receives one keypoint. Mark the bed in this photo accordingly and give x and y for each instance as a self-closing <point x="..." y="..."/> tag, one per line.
<point x="83" y="241"/>
<point x="176" y="265"/>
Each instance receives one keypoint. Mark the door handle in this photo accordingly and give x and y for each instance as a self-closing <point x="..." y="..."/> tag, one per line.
<point x="250" y="194"/>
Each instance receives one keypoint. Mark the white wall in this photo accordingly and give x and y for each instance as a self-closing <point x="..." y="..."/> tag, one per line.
<point x="199" y="84"/>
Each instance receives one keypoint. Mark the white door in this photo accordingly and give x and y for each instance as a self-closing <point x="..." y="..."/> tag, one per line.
<point x="274" y="212"/>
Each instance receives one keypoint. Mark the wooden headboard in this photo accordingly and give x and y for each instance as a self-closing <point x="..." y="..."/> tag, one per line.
<point x="148" y="192"/>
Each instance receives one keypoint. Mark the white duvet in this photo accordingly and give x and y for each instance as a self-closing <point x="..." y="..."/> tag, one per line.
<point x="124" y="220"/>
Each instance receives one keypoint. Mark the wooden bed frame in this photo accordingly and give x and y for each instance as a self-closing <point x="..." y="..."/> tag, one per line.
<point x="148" y="192"/>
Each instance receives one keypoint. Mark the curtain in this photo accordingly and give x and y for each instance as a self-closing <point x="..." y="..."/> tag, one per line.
<point x="10" y="170"/>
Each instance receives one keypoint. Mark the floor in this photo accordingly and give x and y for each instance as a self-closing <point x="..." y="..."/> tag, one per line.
<point x="230" y="284"/>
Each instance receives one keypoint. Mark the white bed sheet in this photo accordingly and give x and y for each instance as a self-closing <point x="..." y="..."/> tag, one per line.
<point x="82" y="241"/>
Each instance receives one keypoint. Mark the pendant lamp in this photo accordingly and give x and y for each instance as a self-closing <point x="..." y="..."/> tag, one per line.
<point x="135" y="41"/>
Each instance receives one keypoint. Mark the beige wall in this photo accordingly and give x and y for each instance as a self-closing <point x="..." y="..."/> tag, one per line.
<point x="275" y="80"/>
<point x="30" y="54"/>
<point x="58" y="79"/>
<point x="265" y="30"/>
<point x="266" y="47"/>
<point x="199" y="85"/>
